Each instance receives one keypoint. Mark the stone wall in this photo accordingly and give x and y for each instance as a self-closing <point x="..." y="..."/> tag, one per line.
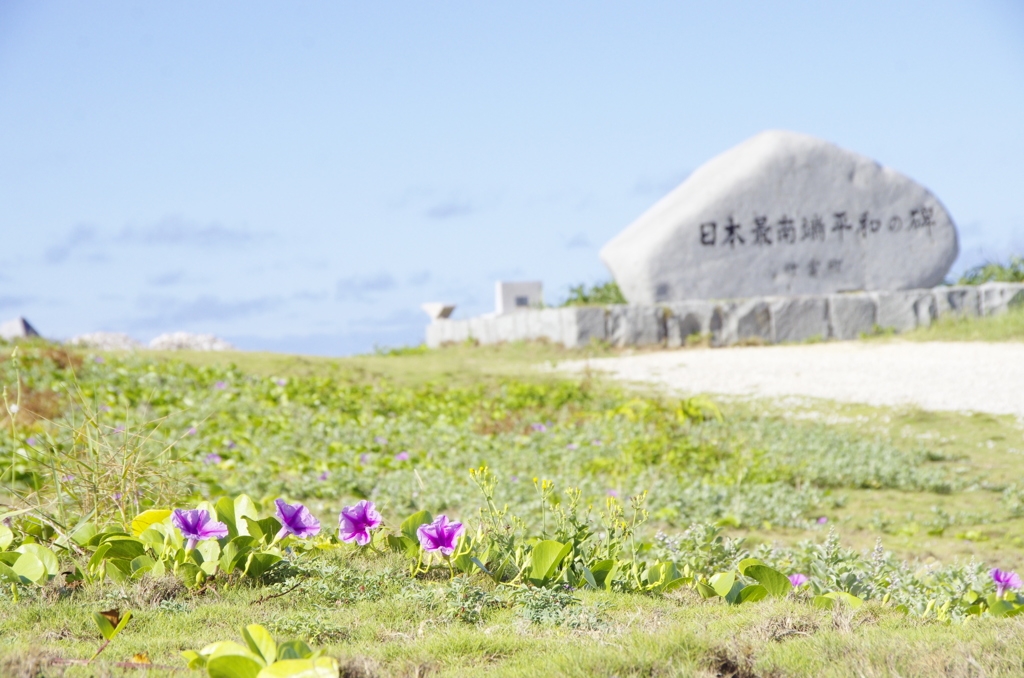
<point x="768" y="319"/>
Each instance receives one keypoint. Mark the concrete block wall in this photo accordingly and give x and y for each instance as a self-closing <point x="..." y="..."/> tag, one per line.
<point x="768" y="319"/>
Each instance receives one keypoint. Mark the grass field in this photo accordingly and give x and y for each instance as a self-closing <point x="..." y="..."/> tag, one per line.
<point x="779" y="481"/>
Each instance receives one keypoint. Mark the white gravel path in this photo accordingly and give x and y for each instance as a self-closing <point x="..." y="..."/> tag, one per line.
<point x="961" y="376"/>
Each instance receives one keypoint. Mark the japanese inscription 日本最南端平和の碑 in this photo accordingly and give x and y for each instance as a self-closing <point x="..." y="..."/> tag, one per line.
<point x="764" y="232"/>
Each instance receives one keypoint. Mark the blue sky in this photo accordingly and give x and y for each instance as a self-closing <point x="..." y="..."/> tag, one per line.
<point x="301" y="176"/>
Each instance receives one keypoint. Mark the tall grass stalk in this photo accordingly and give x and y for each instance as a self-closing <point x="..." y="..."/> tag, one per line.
<point x="85" y="466"/>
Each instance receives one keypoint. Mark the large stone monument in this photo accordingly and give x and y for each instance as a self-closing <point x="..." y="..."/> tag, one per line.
<point x="784" y="214"/>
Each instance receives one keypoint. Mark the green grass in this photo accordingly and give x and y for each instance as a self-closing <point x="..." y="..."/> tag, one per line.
<point x="1004" y="327"/>
<point x="873" y="472"/>
<point x="636" y="636"/>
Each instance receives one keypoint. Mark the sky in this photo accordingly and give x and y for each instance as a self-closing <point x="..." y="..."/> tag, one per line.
<point x="301" y="176"/>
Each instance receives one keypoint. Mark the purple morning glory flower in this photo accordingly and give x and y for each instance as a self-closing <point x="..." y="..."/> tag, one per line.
<point x="539" y="428"/>
<point x="295" y="520"/>
<point x="797" y="579"/>
<point x="104" y="408"/>
<point x="440" y="535"/>
<point x="613" y="493"/>
<point x="67" y="478"/>
<point x="119" y="429"/>
<point x="572" y="446"/>
<point x="196" y="525"/>
<point x="213" y="458"/>
<point x="31" y="442"/>
<point x="231" y="444"/>
<point x="325" y="475"/>
<point x="220" y="385"/>
<point x="192" y="431"/>
<point x="117" y="496"/>
<point x="1005" y="581"/>
<point x="822" y="520"/>
<point x="402" y="456"/>
<point x="355" y="522"/>
<point x="380" y="440"/>
<point x="514" y="479"/>
<point x="98" y="359"/>
<point x="597" y="443"/>
<point x="364" y="459"/>
<point x="281" y="382"/>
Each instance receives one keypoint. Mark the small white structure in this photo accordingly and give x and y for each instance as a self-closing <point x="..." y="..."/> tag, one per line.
<point x="510" y="297"/>
<point x="17" y="328"/>
<point x="437" y="310"/>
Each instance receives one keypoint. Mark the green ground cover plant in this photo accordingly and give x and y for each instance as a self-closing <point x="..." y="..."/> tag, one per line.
<point x="589" y="518"/>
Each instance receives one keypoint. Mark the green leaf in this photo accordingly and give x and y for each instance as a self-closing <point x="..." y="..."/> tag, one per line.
<point x="663" y="577"/>
<point x="722" y="583"/>
<point x="206" y="555"/>
<point x="260" y="642"/>
<point x="324" y="667"/>
<point x="777" y="584"/>
<point x="848" y="598"/>
<point x="143" y="521"/>
<point x="412" y="523"/>
<point x="998" y="607"/>
<point x="253" y="527"/>
<point x="190" y="574"/>
<point x="259" y="563"/>
<point x="195" y="660"/>
<point x="235" y="552"/>
<point x="104" y="625"/>
<point x="141" y="566"/>
<point x="83" y="533"/>
<point x="601" y="569"/>
<point x="6" y="537"/>
<point x="706" y="591"/>
<point x="123" y="623"/>
<point x="118" y="569"/>
<point x="245" y="507"/>
<point x="823" y="602"/>
<point x="29" y="569"/>
<point x="127" y="548"/>
<point x="733" y="596"/>
<point x="752" y="593"/>
<point x="8" y="575"/>
<point x="45" y="556"/>
<point x="294" y="649"/>
<point x="269" y="527"/>
<point x="97" y="558"/>
<point x="747" y="562"/>
<point x="226" y="514"/>
<point x="546" y="557"/>
<point x="233" y="665"/>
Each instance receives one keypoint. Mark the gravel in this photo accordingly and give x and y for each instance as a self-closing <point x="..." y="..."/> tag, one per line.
<point x="958" y="376"/>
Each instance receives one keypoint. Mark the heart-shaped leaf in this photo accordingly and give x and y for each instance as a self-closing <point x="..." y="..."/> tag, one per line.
<point x="45" y="556"/>
<point x="144" y="520"/>
<point x="722" y="583"/>
<point x="752" y="593"/>
<point x="776" y="583"/>
<point x="260" y="642"/>
<point x="6" y="537"/>
<point x="546" y="557"/>
<point x="29" y="569"/>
